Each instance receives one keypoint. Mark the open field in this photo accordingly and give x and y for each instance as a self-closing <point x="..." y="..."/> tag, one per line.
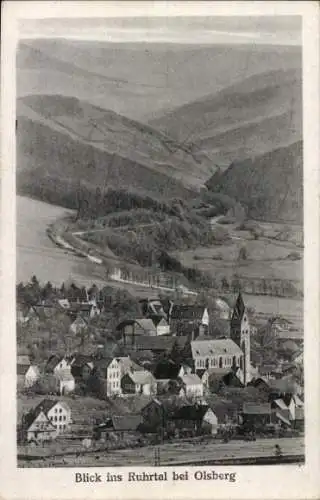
<point x="175" y="452"/>
<point x="267" y="257"/>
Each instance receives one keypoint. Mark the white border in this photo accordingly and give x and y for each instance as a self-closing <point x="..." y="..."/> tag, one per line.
<point x="252" y="482"/>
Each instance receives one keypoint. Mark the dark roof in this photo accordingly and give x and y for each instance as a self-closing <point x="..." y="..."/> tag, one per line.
<point x="145" y="323"/>
<point x="191" y="412"/>
<point x="126" y="422"/>
<point x="45" y="311"/>
<point x="81" y="360"/>
<point x="167" y="369"/>
<point x="187" y="312"/>
<point x="52" y="362"/>
<point x="45" y="405"/>
<point x="161" y="343"/>
<point x="256" y="409"/>
<point x="239" y="308"/>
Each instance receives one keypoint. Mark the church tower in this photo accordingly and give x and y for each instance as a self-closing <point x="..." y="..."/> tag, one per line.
<point x="240" y="334"/>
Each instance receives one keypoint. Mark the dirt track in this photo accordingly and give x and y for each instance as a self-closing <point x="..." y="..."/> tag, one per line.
<point x="171" y="453"/>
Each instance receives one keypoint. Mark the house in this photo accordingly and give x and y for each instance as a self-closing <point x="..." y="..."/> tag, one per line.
<point x="189" y="319"/>
<point x="278" y="388"/>
<point x="161" y="324"/>
<point x="56" y="364"/>
<point x="113" y="369"/>
<point x="192" y="386"/>
<point x="27" y="375"/>
<point x="216" y="353"/>
<point x="43" y="312"/>
<point x="81" y="366"/>
<point x="169" y="369"/>
<point x="216" y="378"/>
<point x="140" y="382"/>
<point x="79" y="324"/>
<point x="132" y="329"/>
<point x="152" y="307"/>
<point x="47" y="420"/>
<point x="122" y="425"/>
<point x="283" y="329"/>
<point x="196" y="418"/>
<point x="64" y="303"/>
<point x="255" y="415"/>
<point x="154" y="415"/>
<point x="65" y="381"/>
<point x="156" y="345"/>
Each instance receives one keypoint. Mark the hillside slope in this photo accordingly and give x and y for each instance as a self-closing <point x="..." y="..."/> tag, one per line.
<point x="270" y="186"/>
<point x="68" y="138"/>
<point x="249" y="118"/>
<point x="141" y="80"/>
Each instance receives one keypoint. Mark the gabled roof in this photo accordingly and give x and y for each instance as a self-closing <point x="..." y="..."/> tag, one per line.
<point x="126" y="422"/>
<point x="187" y="312"/>
<point x="160" y="343"/>
<point x="81" y="360"/>
<point x="167" y="369"/>
<point x="127" y="364"/>
<point x="44" y="312"/>
<point x="44" y="406"/>
<point x="191" y="379"/>
<point x="142" y="377"/>
<point x="22" y="369"/>
<point x="53" y="361"/>
<point x="256" y="409"/>
<point x="190" y="412"/>
<point x="145" y="323"/>
<point x="214" y="347"/>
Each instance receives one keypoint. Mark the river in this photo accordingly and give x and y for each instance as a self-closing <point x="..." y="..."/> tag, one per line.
<point x="37" y="254"/>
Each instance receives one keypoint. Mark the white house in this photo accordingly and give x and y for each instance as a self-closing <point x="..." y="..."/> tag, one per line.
<point x="47" y="420"/>
<point x="27" y="375"/>
<point x="140" y="382"/>
<point x="191" y="386"/>
<point x="113" y="377"/>
<point x="65" y="381"/>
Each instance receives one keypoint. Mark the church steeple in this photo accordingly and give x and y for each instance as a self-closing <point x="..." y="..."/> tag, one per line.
<point x="240" y="334"/>
<point x="239" y="309"/>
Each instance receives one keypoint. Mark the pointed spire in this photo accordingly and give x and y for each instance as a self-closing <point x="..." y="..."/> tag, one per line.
<point x="239" y="307"/>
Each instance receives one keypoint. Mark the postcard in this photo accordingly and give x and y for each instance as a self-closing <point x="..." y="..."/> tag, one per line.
<point x="160" y="250"/>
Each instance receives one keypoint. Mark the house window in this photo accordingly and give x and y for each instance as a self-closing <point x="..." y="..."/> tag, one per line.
<point x="220" y="362"/>
<point x="60" y="418"/>
<point x="60" y="410"/>
<point x="55" y="410"/>
<point x="55" y="418"/>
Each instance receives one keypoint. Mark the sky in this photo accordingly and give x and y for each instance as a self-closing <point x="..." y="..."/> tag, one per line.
<point x="276" y="30"/>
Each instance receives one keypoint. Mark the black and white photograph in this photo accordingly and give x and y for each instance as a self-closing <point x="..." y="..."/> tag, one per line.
<point x="160" y="242"/>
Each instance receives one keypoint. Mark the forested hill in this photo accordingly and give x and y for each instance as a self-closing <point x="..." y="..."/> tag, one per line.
<point x="270" y="185"/>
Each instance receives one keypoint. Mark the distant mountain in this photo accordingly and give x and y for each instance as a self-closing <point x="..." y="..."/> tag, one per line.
<point x="72" y="139"/>
<point x="249" y="118"/>
<point x="270" y="185"/>
<point x="141" y="80"/>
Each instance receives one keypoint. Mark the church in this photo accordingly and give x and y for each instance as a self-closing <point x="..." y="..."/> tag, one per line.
<point x="240" y="334"/>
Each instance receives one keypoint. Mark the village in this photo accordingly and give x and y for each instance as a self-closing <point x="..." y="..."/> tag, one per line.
<point x="100" y="370"/>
